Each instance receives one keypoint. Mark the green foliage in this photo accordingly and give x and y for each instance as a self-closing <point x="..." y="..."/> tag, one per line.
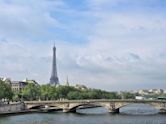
<point x="5" y="90"/>
<point x="63" y="91"/>
<point x="16" y="96"/>
<point x="48" y="92"/>
<point x="44" y="92"/>
<point x="31" y="92"/>
<point x="128" y="95"/>
<point x="74" y="95"/>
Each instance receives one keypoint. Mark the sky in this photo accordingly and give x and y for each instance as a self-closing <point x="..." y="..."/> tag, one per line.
<point x="108" y="44"/>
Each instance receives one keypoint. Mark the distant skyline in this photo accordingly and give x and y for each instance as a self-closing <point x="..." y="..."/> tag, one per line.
<point x="107" y="44"/>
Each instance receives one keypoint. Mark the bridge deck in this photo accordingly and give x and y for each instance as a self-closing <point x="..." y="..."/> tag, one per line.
<point x="98" y="100"/>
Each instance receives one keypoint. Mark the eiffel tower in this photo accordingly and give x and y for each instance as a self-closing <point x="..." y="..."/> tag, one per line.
<point x="54" y="78"/>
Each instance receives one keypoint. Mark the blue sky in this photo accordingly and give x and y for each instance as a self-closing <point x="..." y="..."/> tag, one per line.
<point x="108" y="44"/>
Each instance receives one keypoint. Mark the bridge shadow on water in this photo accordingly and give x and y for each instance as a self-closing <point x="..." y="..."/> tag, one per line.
<point x="92" y="111"/>
<point x="131" y="109"/>
<point x="138" y="109"/>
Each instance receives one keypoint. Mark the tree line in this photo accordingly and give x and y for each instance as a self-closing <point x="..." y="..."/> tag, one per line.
<point x="48" y="92"/>
<point x="5" y="91"/>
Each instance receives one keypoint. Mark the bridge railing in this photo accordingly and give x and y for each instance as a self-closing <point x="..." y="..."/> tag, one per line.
<point x="96" y="100"/>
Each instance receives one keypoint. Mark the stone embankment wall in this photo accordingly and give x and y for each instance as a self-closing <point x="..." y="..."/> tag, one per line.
<point x="12" y="108"/>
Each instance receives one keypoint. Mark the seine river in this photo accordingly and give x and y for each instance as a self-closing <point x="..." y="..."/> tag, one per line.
<point x="133" y="114"/>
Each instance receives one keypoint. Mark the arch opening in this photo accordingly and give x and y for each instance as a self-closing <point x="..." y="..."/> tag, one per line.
<point x="37" y="107"/>
<point x="89" y="109"/>
<point x="45" y="108"/>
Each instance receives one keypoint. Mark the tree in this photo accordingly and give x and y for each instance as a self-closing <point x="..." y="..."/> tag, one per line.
<point x="48" y="92"/>
<point x="5" y="90"/>
<point x="16" y="96"/>
<point x="31" y="92"/>
<point x="44" y="89"/>
<point x="73" y="95"/>
<point x="62" y="91"/>
<point x="128" y="95"/>
<point x="52" y="94"/>
<point x="8" y="91"/>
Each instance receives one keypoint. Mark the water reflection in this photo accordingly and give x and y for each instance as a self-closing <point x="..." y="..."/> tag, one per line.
<point x="133" y="109"/>
<point x="138" y="109"/>
<point x="98" y="110"/>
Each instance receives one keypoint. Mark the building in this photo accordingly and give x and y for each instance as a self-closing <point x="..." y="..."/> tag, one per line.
<point x="17" y="86"/>
<point x="6" y="80"/>
<point x="30" y="82"/>
<point x="81" y="87"/>
<point x="140" y="98"/>
<point x="54" y="78"/>
<point x="156" y="91"/>
<point x="143" y="92"/>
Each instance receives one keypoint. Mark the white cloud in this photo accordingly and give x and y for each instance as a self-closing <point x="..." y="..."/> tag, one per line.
<point x="26" y="19"/>
<point x="124" y="50"/>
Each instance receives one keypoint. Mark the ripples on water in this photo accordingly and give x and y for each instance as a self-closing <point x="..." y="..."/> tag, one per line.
<point x="139" y="109"/>
<point x="132" y="114"/>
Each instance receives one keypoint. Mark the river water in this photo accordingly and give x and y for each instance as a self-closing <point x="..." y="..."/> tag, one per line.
<point x="133" y="114"/>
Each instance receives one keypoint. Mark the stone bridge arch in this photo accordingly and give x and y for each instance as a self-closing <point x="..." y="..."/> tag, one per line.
<point x="37" y="105"/>
<point x="156" y="105"/>
<point x="73" y="106"/>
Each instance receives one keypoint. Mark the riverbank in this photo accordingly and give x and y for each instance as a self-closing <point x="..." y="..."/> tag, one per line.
<point x="22" y="112"/>
<point x="12" y="108"/>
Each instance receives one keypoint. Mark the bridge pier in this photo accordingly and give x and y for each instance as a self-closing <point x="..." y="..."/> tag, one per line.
<point x="114" y="110"/>
<point x="162" y="111"/>
<point x="67" y="110"/>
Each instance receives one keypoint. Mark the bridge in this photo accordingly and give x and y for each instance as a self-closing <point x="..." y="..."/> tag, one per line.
<point x="112" y="106"/>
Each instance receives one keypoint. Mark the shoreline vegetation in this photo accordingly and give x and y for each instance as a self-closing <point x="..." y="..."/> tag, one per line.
<point x="47" y="92"/>
<point x="33" y="92"/>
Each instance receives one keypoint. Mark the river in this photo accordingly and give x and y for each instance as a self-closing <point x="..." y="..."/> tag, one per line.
<point x="133" y="114"/>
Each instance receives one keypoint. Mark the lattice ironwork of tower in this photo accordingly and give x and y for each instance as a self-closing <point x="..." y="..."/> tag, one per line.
<point x="54" y="78"/>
